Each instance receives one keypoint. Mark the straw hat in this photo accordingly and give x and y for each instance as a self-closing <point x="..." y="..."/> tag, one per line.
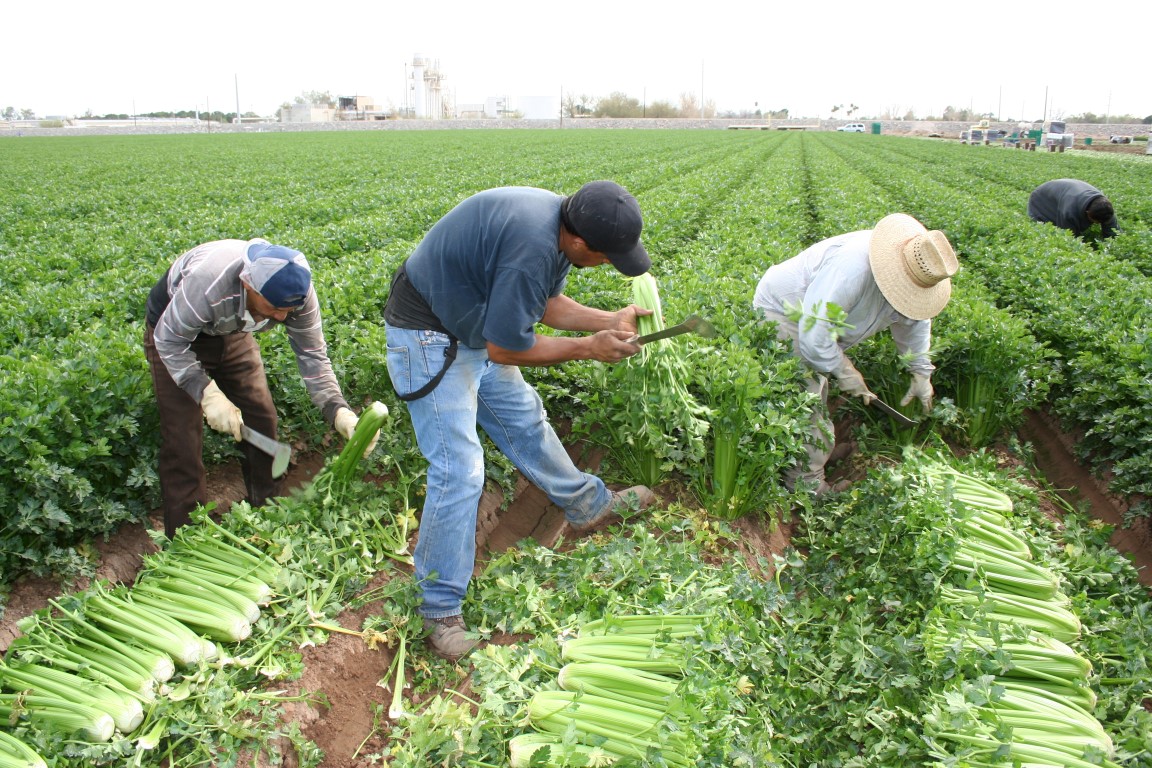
<point x="912" y="266"/>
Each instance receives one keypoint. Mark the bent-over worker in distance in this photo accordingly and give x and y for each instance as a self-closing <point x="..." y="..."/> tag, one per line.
<point x="1073" y="205"/>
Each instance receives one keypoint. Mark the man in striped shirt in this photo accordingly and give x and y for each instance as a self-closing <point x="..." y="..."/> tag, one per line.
<point x="206" y="364"/>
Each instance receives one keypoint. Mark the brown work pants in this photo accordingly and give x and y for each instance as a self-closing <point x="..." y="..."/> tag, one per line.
<point x="234" y="363"/>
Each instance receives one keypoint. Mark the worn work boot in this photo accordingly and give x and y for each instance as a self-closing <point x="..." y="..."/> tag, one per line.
<point x="825" y="489"/>
<point x="841" y="452"/>
<point x="636" y="498"/>
<point x="450" y="638"/>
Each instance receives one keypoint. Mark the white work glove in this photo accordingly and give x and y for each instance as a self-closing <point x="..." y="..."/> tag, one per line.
<point x="345" y="424"/>
<point x="921" y="390"/>
<point x="851" y="382"/>
<point x="220" y="413"/>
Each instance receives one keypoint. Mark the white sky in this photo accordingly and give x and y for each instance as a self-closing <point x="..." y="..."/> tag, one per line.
<point x="1011" y="59"/>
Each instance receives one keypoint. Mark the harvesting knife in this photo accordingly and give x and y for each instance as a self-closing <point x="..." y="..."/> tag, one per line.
<point x="281" y="453"/>
<point x="692" y="324"/>
<point x="896" y="416"/>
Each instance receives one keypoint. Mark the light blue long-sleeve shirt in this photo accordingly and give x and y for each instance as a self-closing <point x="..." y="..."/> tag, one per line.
<point x="836" y="271"/>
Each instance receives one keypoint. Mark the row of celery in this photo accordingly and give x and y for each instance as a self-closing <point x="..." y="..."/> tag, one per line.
<point x="618" y="697"/>
<point x="1037" y="710"/>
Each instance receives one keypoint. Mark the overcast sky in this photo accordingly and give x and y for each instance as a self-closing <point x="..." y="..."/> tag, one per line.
<point x="1012" y="60"/>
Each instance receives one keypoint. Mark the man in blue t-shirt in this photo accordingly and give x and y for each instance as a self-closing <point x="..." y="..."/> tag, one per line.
<point x="461" y="317"/>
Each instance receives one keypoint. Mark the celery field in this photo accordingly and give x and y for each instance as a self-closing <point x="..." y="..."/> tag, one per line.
<point x="896" y="629"/>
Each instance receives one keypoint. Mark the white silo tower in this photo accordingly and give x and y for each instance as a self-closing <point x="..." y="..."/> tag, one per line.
<point x="425" y="97"/>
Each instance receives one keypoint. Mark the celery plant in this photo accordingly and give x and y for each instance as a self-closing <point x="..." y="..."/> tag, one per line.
<point x="759" y="420"/>
<point x="650" y="421"/>
<point x="990" y="363"/>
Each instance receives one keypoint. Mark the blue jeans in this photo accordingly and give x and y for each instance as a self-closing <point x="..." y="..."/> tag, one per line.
<point x="475" y="391"/>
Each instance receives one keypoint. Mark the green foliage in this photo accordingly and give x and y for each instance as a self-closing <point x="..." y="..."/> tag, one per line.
<point x="215" y="711"/>
<point x="990" y="365"/>
<point x="1091" y="306"/>
<point x="70" y="461"/>
<point x="826" y="664"/>
<point x="828" y="313"/>
<point x="752" y="386"/>
<point x="642" y="409"/>
<point x="821" y="667"/>
<point x="618" y="104"/>
<point x="87" y="225"/>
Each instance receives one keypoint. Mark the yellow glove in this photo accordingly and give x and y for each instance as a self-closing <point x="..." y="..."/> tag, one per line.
<point x="921" y="390"/>
<point x="220" y="413"/>
<point x="851" y="382"/>
<point x="345" y="424"/>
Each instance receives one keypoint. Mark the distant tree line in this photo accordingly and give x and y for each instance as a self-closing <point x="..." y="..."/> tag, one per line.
<point x="964" y="115"/>
<point x="217" y="116"/>
<point x="11" y="113"/>
<point x="1090" y="117"/>
<point x="620" y="105"/>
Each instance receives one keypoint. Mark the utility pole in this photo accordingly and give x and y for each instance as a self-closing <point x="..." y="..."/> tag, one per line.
<point x="236" y="79"/>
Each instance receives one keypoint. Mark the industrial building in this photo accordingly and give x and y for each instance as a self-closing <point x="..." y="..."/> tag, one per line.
<point x="425" y="98"/>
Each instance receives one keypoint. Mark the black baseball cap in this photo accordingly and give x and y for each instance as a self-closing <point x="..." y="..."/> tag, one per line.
<point x="608" y="219"/>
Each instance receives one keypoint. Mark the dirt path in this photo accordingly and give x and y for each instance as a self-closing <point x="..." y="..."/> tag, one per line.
<point x="1056" y="459"/>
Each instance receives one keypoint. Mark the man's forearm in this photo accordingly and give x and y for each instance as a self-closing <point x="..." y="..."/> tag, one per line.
<point x="548" y="350"/>
<point x="565" y="314"/>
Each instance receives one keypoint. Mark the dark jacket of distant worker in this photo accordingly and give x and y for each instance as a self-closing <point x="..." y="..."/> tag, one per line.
<point x="206" y="366"/>
<point x="896" y="276"/>
<point x="461" y="319"/>
<point x="1073" y="205"/>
